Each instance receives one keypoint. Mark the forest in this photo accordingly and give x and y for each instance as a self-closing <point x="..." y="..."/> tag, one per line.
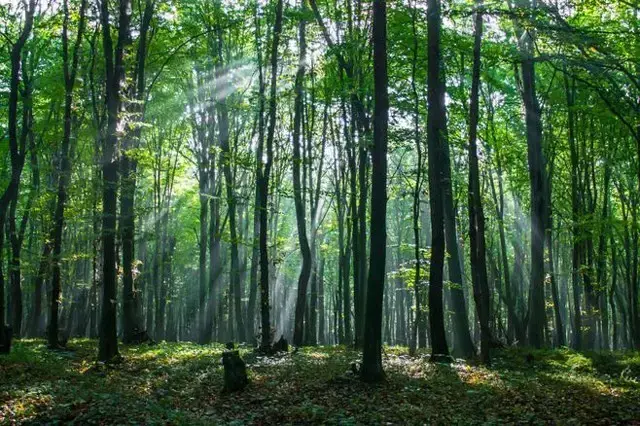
<point x="319" y="212"/>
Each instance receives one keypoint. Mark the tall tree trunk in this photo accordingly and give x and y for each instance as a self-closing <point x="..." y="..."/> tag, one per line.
<point x="634" y="315"/>
<point x="612" y="292"/>
<point x="131" y="303"/>
<point x="215" y="263"/>
<point x="436" y="138"/>
<point x="372" y="345"/>
<point x="115" y="70"/>
<point x="203" y="180"/>
<point x="602" y="257"/>
<point x="360" y="292"/>
<point x="69" y="70"/>
<point x="417" y="190"/>
<point x="349" y="250"/>
<point x="575" y="213"/>
<point x="463" y="342"/>
<point x="16" y="233"/>
<point x="401" y="316"/>
<point x="298" y="188"/>
<point x="255" y="254"/>
<point x="263" y="183"/>
<point x="476" y="213"/>
<point x="533" y="121"/>
<point x="321" y="304"/>
<point x="16" y="151"/>
<point x="226" y="159"/>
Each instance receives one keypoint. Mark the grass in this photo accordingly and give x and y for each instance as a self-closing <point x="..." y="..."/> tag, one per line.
<point x="180" y="383"/>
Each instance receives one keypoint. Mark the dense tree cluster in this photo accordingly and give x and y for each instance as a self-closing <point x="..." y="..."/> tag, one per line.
<point x="448" y="174"/>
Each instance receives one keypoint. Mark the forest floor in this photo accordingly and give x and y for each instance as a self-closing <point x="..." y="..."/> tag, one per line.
<point x="180" y="383"/>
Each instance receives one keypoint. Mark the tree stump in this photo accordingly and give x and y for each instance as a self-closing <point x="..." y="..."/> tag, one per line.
<point x="139" y="337"/>
<point x="6" y="335"/>
<point x="235" y="371"/>
<point x="281" y="345"/>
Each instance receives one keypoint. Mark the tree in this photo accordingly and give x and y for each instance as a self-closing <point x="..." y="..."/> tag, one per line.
<point x="436" y="138"/>
<point x="263" y="183"/>
<point x="477" y="246"/>
<point x="115" y="71"/>
<point x="69" y="72"/>
<point x="131" y="297"/>
<point x="372" y="346"/>
<point x="533" y="123"/>
<point x="298" y="188"/>
<point x="17" y="148"/>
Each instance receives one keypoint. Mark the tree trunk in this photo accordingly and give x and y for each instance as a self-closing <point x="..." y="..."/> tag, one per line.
<point x="223" y="119"/>
<point x="263" y="183"/>
<point x="436" y="134"/>
<point x="321" y="304"/>
<point x="16" y="148"/>
<point x="533" y="122"/>
<point x="417" y="278"/>
<point x="612" y="292"/>
<point x="602" y="256"/>
<point x="65" y="170"/>
<point x="131" y="302"/>
<point x="372" y="345"/>
<point x="575" y="212"/>
<point x="298" y="188"/>
<point x="476" y="213"/>
<point x="108" y="344"/>
<point x="255" y="254"/>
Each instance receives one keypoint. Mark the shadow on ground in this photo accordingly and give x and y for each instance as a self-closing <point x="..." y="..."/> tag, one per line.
<point x="180" y="383"/>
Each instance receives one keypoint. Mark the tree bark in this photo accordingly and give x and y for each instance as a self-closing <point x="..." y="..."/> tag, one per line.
<point x="226" y="159"/>
<point x="476" y="212"/>
<point x="372" y="345"/>
<point x="115" y="70"/>
<point x="69" y="70"/>
<point x="131" y="302"/>
<point x="436" y="138"/>
<point x="263" y="183"/>
<point x="418" y="322"/>
<point x="298" y="188"/>
<point x="16" y="147"/>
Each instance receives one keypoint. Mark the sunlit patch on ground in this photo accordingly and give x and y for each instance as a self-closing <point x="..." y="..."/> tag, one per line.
<point x="180" y="383"/>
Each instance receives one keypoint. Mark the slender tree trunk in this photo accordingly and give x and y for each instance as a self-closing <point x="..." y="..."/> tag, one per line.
<point x="263" y="183"/>
<point x="417" y="278"/>
<point x="223" y="120"/>
<point x="131" y="302"/>
<point x="350" y="251"/>
<point x="298" y="188"/>
<point x="436" y="138"/>
<point x="476" y="212"/>
<point x="372" y="345"/>
<point x="612" y="292"/>
<point x="16" y="150"/>
<point x="255" y="254"/>
<point x="108" y="344"/>
<point x="533" y="121"/>
<point x="360" y="293"/>
<point x="16" y="233"/>
<point x="215" y="262"/>
<point x="321" y="304"/>
<point x="205" y="334"/>
<point x="463" y="342"/>
<point x="65" y="170"/>
<point x="575" y="212"/>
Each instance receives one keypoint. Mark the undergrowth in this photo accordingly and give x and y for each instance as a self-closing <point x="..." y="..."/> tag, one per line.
<point x="180" y="383"/>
